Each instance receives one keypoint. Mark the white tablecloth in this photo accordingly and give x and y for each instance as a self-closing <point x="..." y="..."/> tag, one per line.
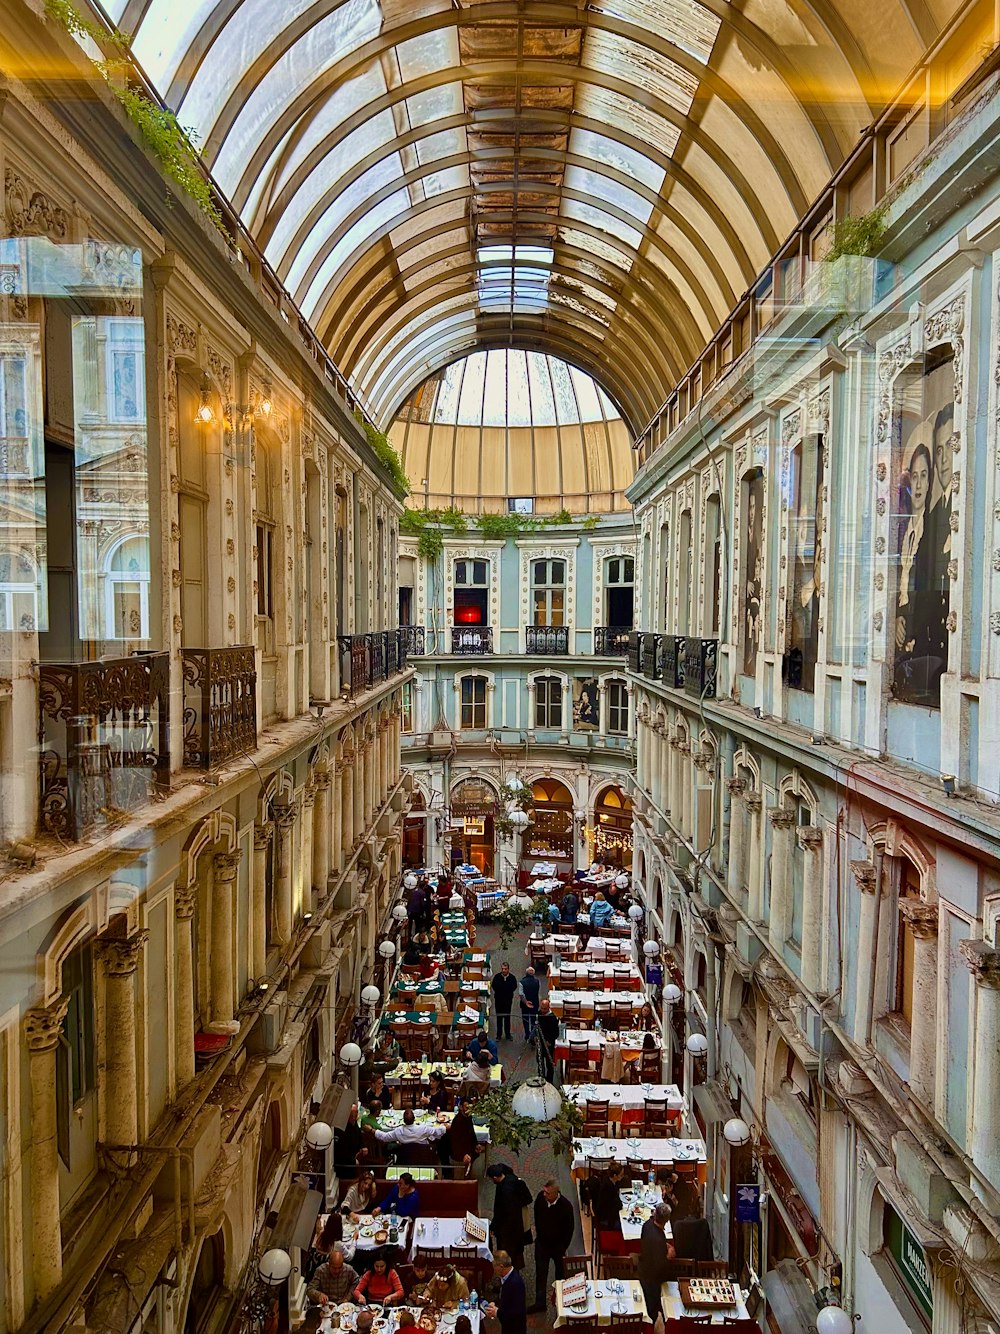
<point x="628" y="1097"/>
<point x="489" y="899"/>
<point x="625" y="1150"/>
<point x="587" y="998"/>
<point x="604" y="947"/>
<point x="450" y="1232"/>
<point x="674" y="1309"/>
<point x="348" y="1319"/>
<point x="601" y="1301"/>
<point x="631" y="977"/>
<point x="353" y="1240"/>
<point x="554" y="944"/>
<point x="618" y="921"/>
<point x="645" y="1199"/>
<point x="631" y="1043"/>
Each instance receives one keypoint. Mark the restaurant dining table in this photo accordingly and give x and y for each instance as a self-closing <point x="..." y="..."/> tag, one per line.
<point x="637" y="1208"/>
<point x="674" y="1308"/>
<point x="392" y="1119"/>
<point x="600" y="949"/>
<point x="605" y="1297"/>
<point x="662" y="1152"/>
<point x="360" y="1236"/>
<point x="588" y="999"/>
<point x="552" y="945"/>
<point x="626" y="1102"/>
<point x="630" y="1042"/>
<point x="616" y="976"/>
<point x="347" y="1314"/>
<point x="446" y="1232"/>
<point x="452" y="1072"/>
<point x="618" y="923"/>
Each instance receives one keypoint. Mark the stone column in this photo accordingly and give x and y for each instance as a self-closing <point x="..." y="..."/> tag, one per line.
<point x="640" y="756"/>
<point x="737" y="850"/>
<point x="184" y="900"/>
<point x="258" y="901"/>
<point x="306" y="853"/>
<point x="674" y="767"/>
<point x="922" y="920"/>
<point x="284" y="819"/>
<point x="664" y="796"/>
<point x="336" y="818"/>
<point x="686" y="784"/>
<point x="984" y="964"/>
<point x="811" y="842"/>
<point x="225" y="868"/>
<point x="780" y="915"/>
<point x="386" y="742"/>
<point x="43" y="1029"/>
<point x="121" y="1105"/>
<point x="397" y="745"/>
<point x="360" y="783"/>
<point x="866" y="876"/>
<point x="371" y="774"/>
<point x="348" y="786"/>
<point x="755" y="871"/>
<point x="321" y="833"/>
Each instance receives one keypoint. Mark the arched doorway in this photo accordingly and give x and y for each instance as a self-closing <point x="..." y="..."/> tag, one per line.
<point x="613" y="828"/>
<point x="207" y="1284"/>
<point x="415" y="832"/>
<point x="473" y="804"/>
<point x="549" y="836"/>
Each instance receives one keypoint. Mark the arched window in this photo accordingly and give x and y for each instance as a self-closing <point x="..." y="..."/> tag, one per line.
<point x="613" y="827"/>
<point x="551" y="828"/>
<point x="126" y="591"/>
<point x="548" y="592"/>
<point x="619" y="582"/>
<point x="548" y="703"/>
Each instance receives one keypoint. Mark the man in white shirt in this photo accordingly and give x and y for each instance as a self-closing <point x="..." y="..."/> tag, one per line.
<point x="411" y="1133"/>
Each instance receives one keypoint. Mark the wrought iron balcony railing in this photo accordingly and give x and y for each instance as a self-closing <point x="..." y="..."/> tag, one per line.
<point x="700" y="667"/>
<point x="634" y="650"/>
<point x="611" y="640"/>
<point x="367" y="660"/>
<point x="104" y="747"/>
<point x="220" y="704"/>
<point x="673" y="661"/>
<point x="546" y="638"/>
<point x="650" y="655"/>
<point x="414" y="638"/>
<point x="471" y="639"/>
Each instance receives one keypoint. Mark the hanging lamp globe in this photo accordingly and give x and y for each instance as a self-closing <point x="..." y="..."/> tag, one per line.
<point x="536" y="1099"/>
<point x="697" y="1044"/>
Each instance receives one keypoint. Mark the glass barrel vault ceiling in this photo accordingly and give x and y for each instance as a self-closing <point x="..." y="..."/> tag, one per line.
<point x="597" y="180"/>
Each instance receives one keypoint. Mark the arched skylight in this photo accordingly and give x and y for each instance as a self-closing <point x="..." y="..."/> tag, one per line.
<point x="509" y="387"/>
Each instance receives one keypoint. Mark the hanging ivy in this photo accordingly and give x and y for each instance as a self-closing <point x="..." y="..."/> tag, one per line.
<point x="861" y="235"/>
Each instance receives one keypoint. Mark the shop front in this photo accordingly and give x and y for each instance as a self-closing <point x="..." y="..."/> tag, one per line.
<point x="471" y="834"/>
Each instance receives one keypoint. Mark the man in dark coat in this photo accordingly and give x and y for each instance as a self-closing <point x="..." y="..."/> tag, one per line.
<point x="504" y="987"/>
<point x="547" y="1025"/>
<point x="555" y="1224"/>
<point x="654" y="1259"/>
<point x="508" y="1222"/>
<point x="510" y="1308"/>
<point x="529" y="992"/>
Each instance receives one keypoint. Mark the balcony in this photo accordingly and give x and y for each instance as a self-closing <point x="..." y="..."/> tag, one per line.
<point x="649" y="656"/>
<point x="104" y="731"/>
<point x="673" y="661"/>
<point x="634" y="650"/>
<point x="220" y="704"/>
<point x="470" y="640"/>
<point x="368" y="660"/>
<point x="548" y="639"/>
<point x="414" y="639"/>
<point x="700" y="667"/>
<point x="611" y="641"/>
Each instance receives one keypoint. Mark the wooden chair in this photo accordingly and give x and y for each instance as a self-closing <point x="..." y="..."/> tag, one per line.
<point x="410" y="1089"/>
<point x="621" y="974"/>
<point x="576" y="1264"/>
<point x="595" y="1117"/>
<point x="577" y="1025"/>
<point x="568" y="979"/>
<point x="624" y="1014"/>
<point x="432" y="1255"/>
<point x="578" y="1066"/>
<point x="604" y="1010"/>
<point x="711" y="1268"/>
<point x="572" y="1009"/>
<point x="676" y="1269"/>
<point x="639" y="1168"/>
<point x="620" y="1266"/>
<point x="655" y="1117"/>
<point x="629" y="1321"/>
<point x="539" y="959"/>
<point x="595" y="977"/>
<point x="598" y="1166"/>
<point x="650" y="1067"/>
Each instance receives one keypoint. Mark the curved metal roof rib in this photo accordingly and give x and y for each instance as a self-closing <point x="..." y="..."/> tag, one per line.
<point x="596" y="179"/>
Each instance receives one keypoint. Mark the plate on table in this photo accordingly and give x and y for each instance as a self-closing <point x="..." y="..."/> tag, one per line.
<point x="367" y="1231"/>
<point x="382" y="1237"/>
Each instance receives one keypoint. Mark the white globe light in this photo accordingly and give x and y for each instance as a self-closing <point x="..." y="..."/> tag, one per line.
<point x="736" y="1131"/>
<point x="399" y="913"/>
<point x="514" y="783"/>
<point x="636" y="912"/>
<point x="651" y="949"/>
<point x="537" y="1099"/>
<point x="274" y="1267"/>
<point x="621" y="881"/>
<point x="319" y="1135"/>
<point x="522" y="901"/>
<point x="672" y="993"/>
<point x="410" y="881"/>
<point x="697" y="1044"/>
<point x="370" y="995"/>
<point x="519" y="819"/>
<point x="834" y="1320"/>
<point x="350" y="1054"/>
<point x="387" y="949"/>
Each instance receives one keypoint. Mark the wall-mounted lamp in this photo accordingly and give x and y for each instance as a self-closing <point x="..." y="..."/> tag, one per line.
<point x="205" y="415"/>
<point x="672" y="993"/>
<point x="319" y="1136"/>
<point x="265" y="405"/>
<point x="697" y="1045"/>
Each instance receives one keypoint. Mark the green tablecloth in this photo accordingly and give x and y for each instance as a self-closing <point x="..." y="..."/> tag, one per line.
<point x="429" y="987"/>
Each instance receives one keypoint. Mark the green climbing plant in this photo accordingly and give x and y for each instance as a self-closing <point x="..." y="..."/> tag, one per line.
<point x="512" y="920"/>
<point x="860" y="235"/>
<point x="510" y="1131"/>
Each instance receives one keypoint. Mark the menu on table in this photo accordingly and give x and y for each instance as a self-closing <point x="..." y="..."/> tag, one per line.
<point x="574" y="1290"/>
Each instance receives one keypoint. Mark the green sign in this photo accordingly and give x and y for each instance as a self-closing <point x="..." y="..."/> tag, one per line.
<point x="910" y="1260"/>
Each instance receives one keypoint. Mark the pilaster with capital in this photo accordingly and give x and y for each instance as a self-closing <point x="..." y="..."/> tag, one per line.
<point x="120" y="960"/>
<point x="737" y="844"/>
<point x="321" y="833"/>
<point x="184" y="1064"/>
<point x="922" y="922"/>
<point x="285" y="816"/>
<point x="262" y="836"/>
<point x="360" y="785"/>
<point x="347" y="785"/>
<point x="811" y="843"/>
<point x="755" y="862"/>
<point x="225" y="869"/>
<point x="866" y="876"/>
<point x="983" y="962"/>
<point x="307" y="823"/>
<point x="780" y="914"/>
<point x="43" y="1030"/>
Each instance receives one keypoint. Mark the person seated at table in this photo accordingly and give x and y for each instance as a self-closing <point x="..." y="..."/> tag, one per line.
<point x="463" y="1142"/>
<point x="448" y="1288"/>
<point x="379" y="1284"/>
<point x="606" y="1199"/>
<point x="407" y="1320"/>
<point x="412" y="1133"/>
<point x="667" y="1180"/>
<point x="554" y="916"/>
<point x="371" y="1114"/>
<point x="601" y="911"/>
<point x="570" y="908"/>
<point x="482" y="1042"/>
<point x="417" y="1282"/>
<point x="375" y="1092"/>
<point x="479" y="1071"/>
<point x="437" y="1099"/>
<point x="328" y="1234"/>
<point x="348" y="1144"/>
<point x="332" y="1282"/>
<point x="596" y="868"/>
<point x="463" y="1325"/>
<point x="645" y="1021"/>
<point x="404" y="1198"/>
<point x="412" y="954"/>
<point x="377" y="1061"/>
<point x="361" y="1196"/>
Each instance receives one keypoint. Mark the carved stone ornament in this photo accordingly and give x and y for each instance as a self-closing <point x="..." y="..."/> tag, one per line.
<point x="920" y="917"/>
<point x="880" y="545"/>
<point x="880" y="505"/>
<point x="982" y="961"/>
<point x="43" y="1027"/>
<point x="865" y="876"/>
<point x="184" y="901"/>
<point x="121" y="957"/>
<point x="810" y="838"/>
<point x="880" y="582"/>
<point x="226" y="865"/>
<point x="261" y="837"/>
<point x="180" y="336"/>
<point x="754" y="802"/>
<point x="880" y="472"/>
<point x="953" y="569"/>
<point x="877" y="620"/>
<point x="782" y="819"/>
<point x="30" y="212"/>
<point x="952" y="622"/>
<point x="995" y="622"/>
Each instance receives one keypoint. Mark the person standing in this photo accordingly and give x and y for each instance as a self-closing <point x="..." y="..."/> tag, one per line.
<point x="511" y="1306"/>
<point x="655" y="1253"/>
<point x="512" y="1195"/>
<point x="504" y="987"/>
<point x="555" y="1224"/>
<point x="547" y="1025"/>
<point x="529" y="991"/>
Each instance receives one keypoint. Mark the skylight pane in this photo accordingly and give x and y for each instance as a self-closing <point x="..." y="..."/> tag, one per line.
<point x="470" y="404"/>
<point x="495" y="398"/>
<point x="598" y="148"/>
<point x="543" y="404"/>
<point x="586" y="396"/>
<point x="518" y="401"/>
<point x="562" y="385"/>
<point x="686" y="23"/>
<point x="446" y="408"/>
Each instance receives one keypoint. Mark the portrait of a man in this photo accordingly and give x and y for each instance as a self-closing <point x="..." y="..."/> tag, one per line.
<point x="753" y="588"/>
<point x="586" y="704"/>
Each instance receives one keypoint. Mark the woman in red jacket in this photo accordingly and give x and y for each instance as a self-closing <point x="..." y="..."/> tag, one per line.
<point x="379" y="1284"/>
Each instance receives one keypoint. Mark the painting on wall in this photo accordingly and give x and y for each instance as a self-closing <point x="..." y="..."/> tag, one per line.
<point x="586" y="704"/>
<point x="753" y="567"/>
<point x="804" y="497"/>
<point x="921" y="536"/>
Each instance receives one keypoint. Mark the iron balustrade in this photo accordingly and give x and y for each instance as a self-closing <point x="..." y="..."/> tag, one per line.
<point x="220" y="704"/>
<point x="414" y="638"/>
<point x="104" y="739"/>
<point x="611" y="640"/>
<point x="471" y="639"/>
<point x="634" y="650"/>
<point x="673" y="661"/>
<point x="650" y="653"/>
<point x="700" y="667"/>
<point x="549" y="639"/>
<point x="368" y="660"/>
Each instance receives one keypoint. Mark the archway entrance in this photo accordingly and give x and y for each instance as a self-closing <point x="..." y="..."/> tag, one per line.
<point x="473" y="804"/>
<point x="415" y="833"/>
<point x="207" y="1285"/>
<point x="613" y="828"/>
<point x="549" y="836"/>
